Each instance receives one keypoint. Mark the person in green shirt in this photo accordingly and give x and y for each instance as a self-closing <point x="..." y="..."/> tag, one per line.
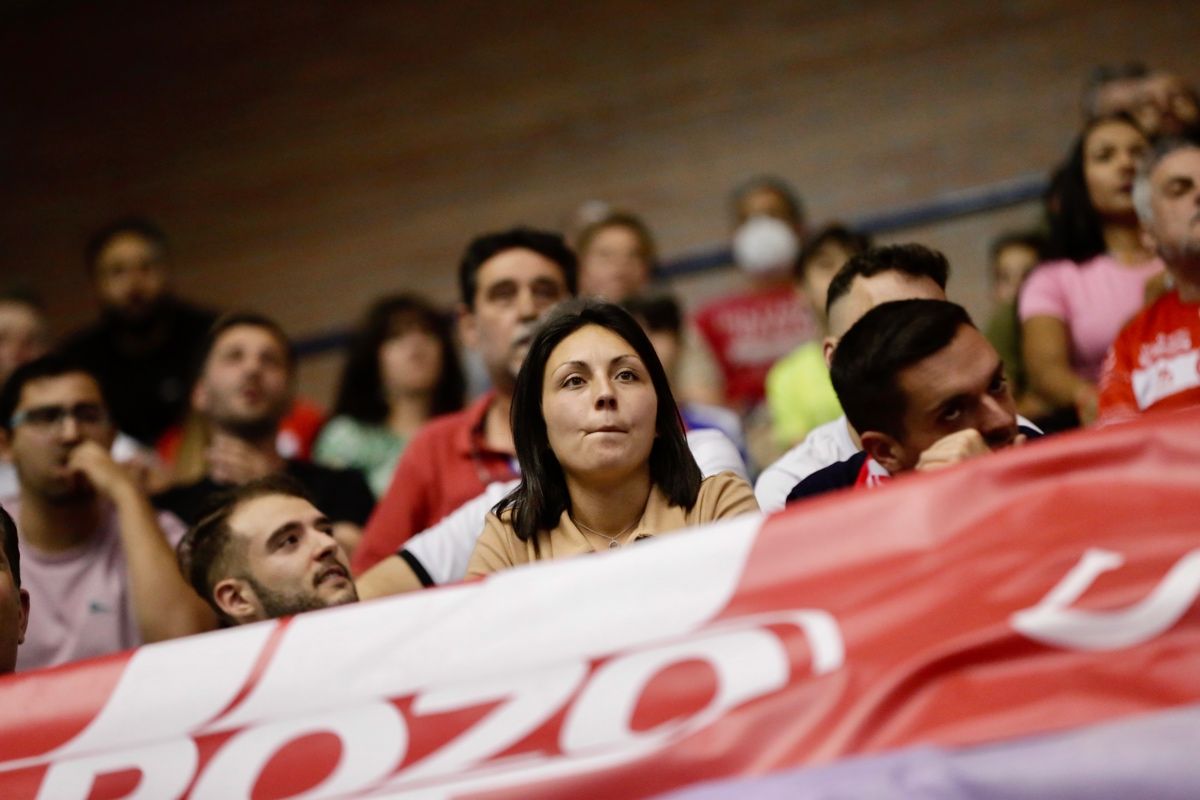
<point x="799" y="393"/>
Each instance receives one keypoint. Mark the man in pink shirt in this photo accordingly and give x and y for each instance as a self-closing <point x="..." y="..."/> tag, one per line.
<point x="98" y="562"/>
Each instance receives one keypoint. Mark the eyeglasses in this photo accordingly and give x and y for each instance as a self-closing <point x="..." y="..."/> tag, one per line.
<point x="49" y="417"/>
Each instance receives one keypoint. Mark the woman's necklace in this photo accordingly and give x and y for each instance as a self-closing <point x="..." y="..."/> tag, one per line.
<point x="614" y="542"/>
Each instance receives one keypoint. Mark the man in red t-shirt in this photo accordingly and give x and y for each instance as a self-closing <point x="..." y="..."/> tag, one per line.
<point x="1155" y="361"/>
<point x="508" y="281"/>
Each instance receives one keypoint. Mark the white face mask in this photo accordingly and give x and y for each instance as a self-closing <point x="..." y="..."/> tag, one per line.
<point x="764" y="244"/>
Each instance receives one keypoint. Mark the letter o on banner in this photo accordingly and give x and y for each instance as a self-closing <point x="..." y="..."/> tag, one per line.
<point x="748" y="664"/>
<point x="374" y="740"/>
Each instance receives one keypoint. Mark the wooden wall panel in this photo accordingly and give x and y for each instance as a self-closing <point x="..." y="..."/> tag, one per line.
<point x="306" y="156"/>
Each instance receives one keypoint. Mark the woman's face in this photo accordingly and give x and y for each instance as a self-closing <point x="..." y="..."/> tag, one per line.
<point x="1110" y="157"/>
<point x="599" y="405"/>
<point x="410" y="362"/>
<point x="614" y="265"/>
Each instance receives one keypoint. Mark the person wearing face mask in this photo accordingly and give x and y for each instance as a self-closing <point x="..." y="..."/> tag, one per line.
<point x="604" y="460"/>
<point x="1072" y="307"/>
<point x="750" y="331"/>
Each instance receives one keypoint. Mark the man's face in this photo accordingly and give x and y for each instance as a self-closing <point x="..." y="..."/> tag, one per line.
<point x="819" y="272"/>
<point x="614" y="265"/>
<point x="1175" y="204"/>
<point x="961" y="386"/>
<point x="1010" y="267"/>
<point x="59" y="413"/>
<point x="246" y="385"/>
<point x="23" y="336"/>
<point x="1162" y="103"/>
<point x="290" y="560"/>
<point x="513" y="290"/>
<point x="14" y="612"/>
<point x="866" y="293"/>
<point x="130" y="276"/>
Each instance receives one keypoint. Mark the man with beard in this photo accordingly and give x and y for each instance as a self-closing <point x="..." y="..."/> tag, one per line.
<point x="144" y="343"/>
<point x="507" y="281"/>
<point x="97" y="561"/>
<point x="1154" y="364"/>
<point x="243" y="392"/>
<point x="266" y="552"/>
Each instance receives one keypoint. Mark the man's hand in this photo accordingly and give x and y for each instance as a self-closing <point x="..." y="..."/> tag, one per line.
<point x="95" y="464"/>
<point x="233" y="461"/>
<point x="956" y="447"/>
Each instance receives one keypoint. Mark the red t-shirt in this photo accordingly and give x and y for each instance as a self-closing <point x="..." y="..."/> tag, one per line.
<point x="446" y="464"/>
<point x="749" y="332"/>
<point x="1154" y="362"/>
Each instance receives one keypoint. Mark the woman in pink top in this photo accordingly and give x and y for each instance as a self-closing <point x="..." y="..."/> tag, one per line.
<point x="1072" y="308"/>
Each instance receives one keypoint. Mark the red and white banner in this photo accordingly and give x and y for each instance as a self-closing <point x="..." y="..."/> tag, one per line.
<point x="1041" y="589"/>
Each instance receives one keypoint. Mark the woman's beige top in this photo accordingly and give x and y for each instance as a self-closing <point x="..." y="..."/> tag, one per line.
<point x="722" y="495"/>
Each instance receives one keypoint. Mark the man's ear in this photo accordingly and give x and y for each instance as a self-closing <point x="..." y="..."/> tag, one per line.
<point x="468" y="332"/>
<point x="23" y="620"/>
<point x="827" y="348"/>
<point x="237" y="600"/>
<point x="888" y="452"/>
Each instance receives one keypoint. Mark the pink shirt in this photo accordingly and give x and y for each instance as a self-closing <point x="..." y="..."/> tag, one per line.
<point x="1095" y="299"/>
<point x="79" y="604"/>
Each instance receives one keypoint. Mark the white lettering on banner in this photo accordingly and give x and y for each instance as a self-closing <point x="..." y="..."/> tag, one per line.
<point x="159" y="695"/>
<point x="748" y="664"/>
<point x="165" y="767"/>
<point x="1052" y="621"/>
<point x="533" y="698"/>
<point x="1165" y="377"/>
<point x="374" y="739"/>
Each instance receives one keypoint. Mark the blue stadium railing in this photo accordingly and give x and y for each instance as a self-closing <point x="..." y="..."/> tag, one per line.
<point x="967" y="202"/>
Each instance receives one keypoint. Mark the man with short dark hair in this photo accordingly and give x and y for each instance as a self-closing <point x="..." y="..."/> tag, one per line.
<point x="98" y="561"/>
<point x="14" y="601"/>
<point x="142" y="347"/>
<point x="1154" y="363"/>
<point x="508" y="281"/>
<point x="924" y="390"/>
<point x="877" y="275"/>
<point x="243" y="391"/>
<point x="266" y="552"/>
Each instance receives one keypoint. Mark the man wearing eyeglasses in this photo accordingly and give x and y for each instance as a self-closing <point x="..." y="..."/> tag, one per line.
<point x="98" y="561"/>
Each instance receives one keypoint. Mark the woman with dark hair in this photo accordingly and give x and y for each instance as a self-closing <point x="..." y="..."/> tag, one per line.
<point x="1072" y="307"/>
<point x="402" y="370"/>
<point x="604" y="461"/>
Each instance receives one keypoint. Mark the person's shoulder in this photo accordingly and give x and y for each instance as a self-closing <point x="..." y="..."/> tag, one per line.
<point x="839" y="475"/>
<point x="448" y="425"/>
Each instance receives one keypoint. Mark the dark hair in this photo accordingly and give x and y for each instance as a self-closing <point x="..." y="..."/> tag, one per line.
<point x="772" y="183"/>
<point x="361" y="392"/>
<point x="12" y="548"/>
<point x="51" y="365"/>
<point x="21" y="295"/>
<point x="657" y="312"/>
<point x="1076" y="230"/>
<point x="887" y="339"/>
<point x="203" y="553"/>
<point x="836" y="233"/>
<point x="542" y="496"/>
<point x="236" y="319"/>
<point x="914" y="260"/>
<point x="139" y="226"/>
<point x="482" y="248"/>
<point x="621" y="219"/>
<point x="1104" y="74"/>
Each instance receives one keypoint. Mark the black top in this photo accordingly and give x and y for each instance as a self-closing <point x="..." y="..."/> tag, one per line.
<point x="844" y="474"/>
<point x="840" y="475"/>
<point x="341" y="494"/>
<point x="145" y="371"/>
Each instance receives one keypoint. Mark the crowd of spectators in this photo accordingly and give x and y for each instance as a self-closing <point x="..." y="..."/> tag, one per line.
<point x="161" y="477"/>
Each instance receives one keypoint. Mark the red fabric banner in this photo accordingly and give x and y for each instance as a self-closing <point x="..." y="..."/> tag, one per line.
<point x="1042" y="589"/>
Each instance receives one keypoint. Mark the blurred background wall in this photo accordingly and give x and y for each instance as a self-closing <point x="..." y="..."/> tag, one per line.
<point x="307" y="156"/>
